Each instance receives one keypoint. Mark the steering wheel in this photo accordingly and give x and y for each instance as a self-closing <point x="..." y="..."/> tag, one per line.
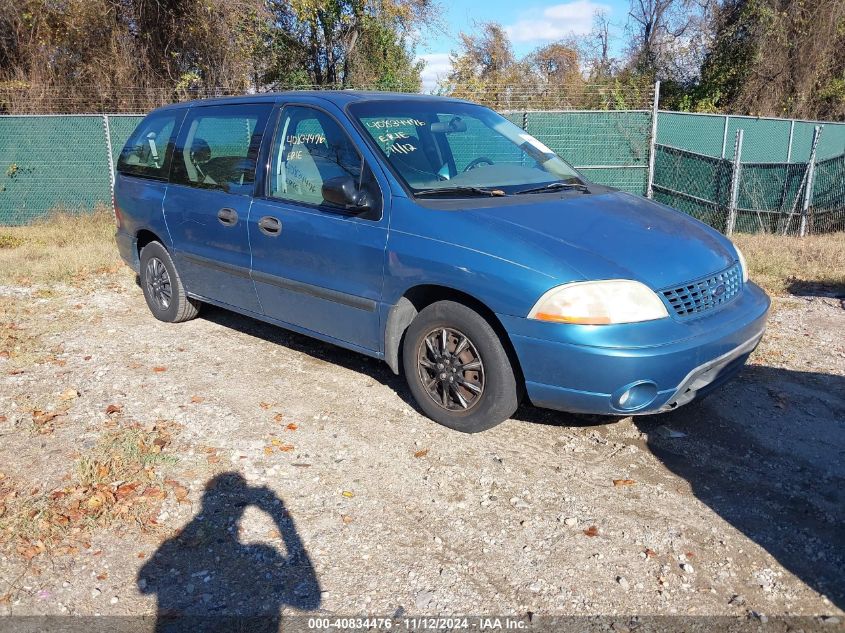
<point x="481" y="160"/>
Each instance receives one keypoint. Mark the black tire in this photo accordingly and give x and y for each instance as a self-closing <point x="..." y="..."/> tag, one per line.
<point x="464" y="409"/>
<point x="163" y="288"/>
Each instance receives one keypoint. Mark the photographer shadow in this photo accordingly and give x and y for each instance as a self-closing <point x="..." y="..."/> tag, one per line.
<point x="206" y="579"/>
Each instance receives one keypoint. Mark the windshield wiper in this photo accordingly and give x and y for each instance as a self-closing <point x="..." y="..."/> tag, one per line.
<point x="474" y="191"/>
<point x="554" y="186"/>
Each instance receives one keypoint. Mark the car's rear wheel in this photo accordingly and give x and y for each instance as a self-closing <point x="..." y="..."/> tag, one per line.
<point x="163" y="288"/>
<point x="457" y="368"/>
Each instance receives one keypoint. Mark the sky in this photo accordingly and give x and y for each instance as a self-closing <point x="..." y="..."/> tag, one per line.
<point x="529" y="23"/>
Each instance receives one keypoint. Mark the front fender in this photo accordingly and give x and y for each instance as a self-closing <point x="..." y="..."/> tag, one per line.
<point x="503" y="286"/>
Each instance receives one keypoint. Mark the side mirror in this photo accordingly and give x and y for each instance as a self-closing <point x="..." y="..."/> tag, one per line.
<point x="343" y="192"/>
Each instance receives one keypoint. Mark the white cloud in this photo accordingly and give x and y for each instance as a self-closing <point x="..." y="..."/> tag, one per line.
<point x="437" y="67"/>
<point x="556" y="21"/>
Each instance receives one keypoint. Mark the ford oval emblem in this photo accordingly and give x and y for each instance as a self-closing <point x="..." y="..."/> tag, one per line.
<point x="719" y="290"/>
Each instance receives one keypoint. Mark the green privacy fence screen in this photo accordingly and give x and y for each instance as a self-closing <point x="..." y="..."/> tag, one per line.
<point x="770" y="197"/>
<point x="766" y="140"/>
<point x="62" y="161"/>
<point x="609" y="147"/>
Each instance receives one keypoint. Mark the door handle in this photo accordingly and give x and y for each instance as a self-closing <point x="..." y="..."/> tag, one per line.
<point x="227" y="216"/>
<point x="270" y="226"/>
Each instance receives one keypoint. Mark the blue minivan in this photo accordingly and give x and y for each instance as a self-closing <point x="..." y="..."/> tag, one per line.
<point x="436" y="235"/>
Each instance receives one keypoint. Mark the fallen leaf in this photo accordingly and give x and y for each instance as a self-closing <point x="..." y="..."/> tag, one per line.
<point x="264" y="405"/>
<point x="95" y="502"/>
<point x="70" y="394"/>
<point x="181" y="493"/>
<point x="623" y="482"/>
<point x="278" y="417"/>
<point x="591" y="531"/>
<point x="125" y="490"/>
<point x="114" y="408"/>
<point x="348" y="494"/>
<point x="159" y="369"/>
<point x="16" y="372"/>
<point x="197" y="399"/>
<point x="103" y="575"/>
<point x="291" y="427"/>
<point x="3" y="418"/>
<point x="690" y="554"/>
<point x="161" y="441"/>
<point x="421" y="453"/>
<point x="86" y="357"/>
<point x="142" y="554"/>
<point x="286" y="448"/>
<point x="346" y="519"/>
<point x="213" y="458"/>
<point x="274" y="534"/>
<point x="268" y="450"/>
<point x="40" y="417"/>
<point x="650" y="552"/>
<point x="154" y="492"/>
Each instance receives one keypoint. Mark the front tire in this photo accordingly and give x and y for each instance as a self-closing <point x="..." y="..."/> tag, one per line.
<point x="163" y="288"/>
<point x="457" y="368"/>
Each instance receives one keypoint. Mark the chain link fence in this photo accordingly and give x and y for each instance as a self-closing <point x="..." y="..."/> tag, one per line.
<point x="58" y="162"/>
<point x="65" y="161"/>
<point x="732" y="194"/>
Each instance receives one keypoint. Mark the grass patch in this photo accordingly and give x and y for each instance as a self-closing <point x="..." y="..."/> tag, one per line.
<point x="63" y="247"/>
<point x="120" y="479"/>
<point x="783" y="264"/>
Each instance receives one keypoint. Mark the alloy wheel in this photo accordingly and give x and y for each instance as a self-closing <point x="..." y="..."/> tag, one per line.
<point x="158" y="283"/>
<point x="451" y="369"/>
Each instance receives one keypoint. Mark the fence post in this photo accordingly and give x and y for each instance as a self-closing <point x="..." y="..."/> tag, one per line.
<point x="791" y="136"/>
<point x="107" y="130"/>
<point x="811" y="172"/>
<point x="736" y="173"/>
<point x="725" y="134"/>
<point x="652" y="142"/>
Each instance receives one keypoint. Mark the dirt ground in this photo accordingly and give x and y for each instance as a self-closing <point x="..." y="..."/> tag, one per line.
<point x="227" y="466"/>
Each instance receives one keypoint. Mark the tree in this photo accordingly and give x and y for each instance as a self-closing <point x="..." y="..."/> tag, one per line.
<point x="777" y="58"/>
<point x="346" y="42"/>
<point x="118" y="55"/>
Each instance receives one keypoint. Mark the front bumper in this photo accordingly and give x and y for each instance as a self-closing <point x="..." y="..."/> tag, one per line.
<point x="589" y="369"/>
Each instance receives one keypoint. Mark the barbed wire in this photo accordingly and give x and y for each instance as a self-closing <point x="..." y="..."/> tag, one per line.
<point x="546" y="96"/>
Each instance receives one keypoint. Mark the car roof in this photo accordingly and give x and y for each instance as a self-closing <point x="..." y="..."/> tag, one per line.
<point x="338" y="97"/>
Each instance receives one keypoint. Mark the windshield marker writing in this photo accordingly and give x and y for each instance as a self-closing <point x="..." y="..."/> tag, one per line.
<point x="402" y="148"/>
<point x="385" y="123"/>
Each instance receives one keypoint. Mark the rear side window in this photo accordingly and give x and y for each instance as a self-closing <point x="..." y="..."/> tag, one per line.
<point x="149" y="150"/>
<point x="218" y="147"/>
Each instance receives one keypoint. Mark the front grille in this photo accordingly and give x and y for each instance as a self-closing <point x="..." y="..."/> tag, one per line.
<point x="704" y="294"/>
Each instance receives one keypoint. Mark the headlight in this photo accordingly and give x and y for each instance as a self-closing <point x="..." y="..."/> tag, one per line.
<point x="743" y="266"/>
<point x="599" y="303"/>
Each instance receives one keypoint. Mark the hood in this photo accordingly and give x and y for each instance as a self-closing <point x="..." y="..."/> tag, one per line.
<point x="614" y="235"/>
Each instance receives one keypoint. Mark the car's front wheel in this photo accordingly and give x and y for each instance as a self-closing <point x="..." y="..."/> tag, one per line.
<point x="163" y="288"/>
<point x="457" y="368"/>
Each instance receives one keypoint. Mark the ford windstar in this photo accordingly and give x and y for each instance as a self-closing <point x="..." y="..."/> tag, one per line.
<point x="438" y="236"/>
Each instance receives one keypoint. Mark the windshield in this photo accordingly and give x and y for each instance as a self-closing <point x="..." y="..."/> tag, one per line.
<point x="459" y="148"/>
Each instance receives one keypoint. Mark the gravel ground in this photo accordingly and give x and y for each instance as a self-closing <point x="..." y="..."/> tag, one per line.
<point x="304" y="478"/>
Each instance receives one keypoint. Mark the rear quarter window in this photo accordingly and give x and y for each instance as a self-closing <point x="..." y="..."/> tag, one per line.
<point x="149" y="150"/>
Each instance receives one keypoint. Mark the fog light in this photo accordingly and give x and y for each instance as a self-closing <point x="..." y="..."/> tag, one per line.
<point x="635" y="396"/>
